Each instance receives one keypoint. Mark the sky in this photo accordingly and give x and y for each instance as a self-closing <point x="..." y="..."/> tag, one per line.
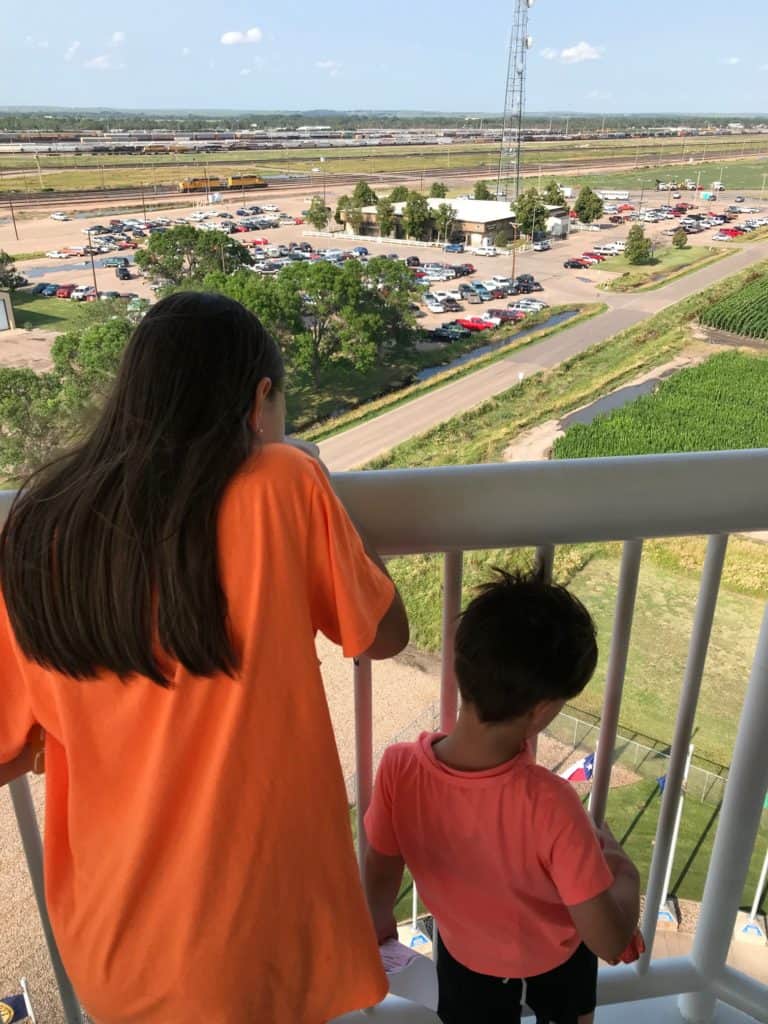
<point x="607" y="56"/>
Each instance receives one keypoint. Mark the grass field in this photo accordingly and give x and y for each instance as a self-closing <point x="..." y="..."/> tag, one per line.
<point x="667" y="262"/>
<point x="744" y="174"/>
<point x="50" y="314"/>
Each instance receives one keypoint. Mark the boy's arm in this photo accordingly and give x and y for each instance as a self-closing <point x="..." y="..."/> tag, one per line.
<point x="382" y="876"/>
<point x="608" y="922"/>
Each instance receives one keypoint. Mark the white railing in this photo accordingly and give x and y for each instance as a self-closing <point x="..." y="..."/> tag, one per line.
<point x="455" y="509"/>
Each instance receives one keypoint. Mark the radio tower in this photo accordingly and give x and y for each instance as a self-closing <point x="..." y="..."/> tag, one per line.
<point x="508" y="182"/>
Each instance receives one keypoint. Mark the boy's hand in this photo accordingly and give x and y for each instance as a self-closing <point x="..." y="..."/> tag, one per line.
<point x="634" y="950"/>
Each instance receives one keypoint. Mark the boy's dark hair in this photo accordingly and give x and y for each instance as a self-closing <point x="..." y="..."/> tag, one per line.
<point x="520" y="641"/>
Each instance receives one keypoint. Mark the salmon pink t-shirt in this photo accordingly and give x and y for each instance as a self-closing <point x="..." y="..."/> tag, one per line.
<point x="198" y="855"/>
<point x="497" y="855"/>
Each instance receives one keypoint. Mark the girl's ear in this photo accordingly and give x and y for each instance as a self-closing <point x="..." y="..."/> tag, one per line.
<point x="263" y="389"/>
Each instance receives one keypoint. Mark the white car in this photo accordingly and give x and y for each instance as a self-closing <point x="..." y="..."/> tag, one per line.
<point x="57" y="254"/>
<point x="59" y="216"/>
<point x="434" y="306"/>
<point x="490" y="319"/>
<point x="618" y="246"/>
<point x="532" y="304"/>
<point x="270" y="208"/>
<point x="82" y="291"/>
<point x="490" y="285"/>
<point x="485" y="250"/>
<point x="500" y="281"/>
<point x="541" y="246"/>
<point x="518" y="307"/>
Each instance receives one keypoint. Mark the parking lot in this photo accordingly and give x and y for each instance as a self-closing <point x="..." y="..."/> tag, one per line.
<point x="458" y="292"/>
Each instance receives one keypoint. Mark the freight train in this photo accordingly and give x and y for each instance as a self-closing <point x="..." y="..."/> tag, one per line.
<point x="216" y="184"/>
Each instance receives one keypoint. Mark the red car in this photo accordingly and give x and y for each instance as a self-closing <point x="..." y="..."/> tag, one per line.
<point x="507" y="315"/>
<point x="593" y="256"/>
<point x="127" y="245"/>
<point x="625" y="207"/>
<point x="64" y="291"/>
<point x="474" y="323"/>
<point x="259" y="241"/>
<point x="298" y="220"/>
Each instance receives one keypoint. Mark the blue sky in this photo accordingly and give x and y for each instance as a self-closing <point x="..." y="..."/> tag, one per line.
<point x="604" y="56"/>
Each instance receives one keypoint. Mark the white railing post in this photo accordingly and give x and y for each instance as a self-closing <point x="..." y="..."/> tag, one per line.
<point x="363" y="748"/>
<point x="735" y="839"/>
<point x="26" y="819"/>
<point x="759" y="890"/>
<point x="449" y="699"/>
<point x="658" y="879"/>
<point x="614" y="676"/>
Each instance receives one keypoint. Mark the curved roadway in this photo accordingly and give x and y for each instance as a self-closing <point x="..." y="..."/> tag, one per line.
<point x="358" y="445"/>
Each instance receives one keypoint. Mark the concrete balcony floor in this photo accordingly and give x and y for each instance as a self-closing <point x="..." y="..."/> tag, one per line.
<point x="662" y="1011"/>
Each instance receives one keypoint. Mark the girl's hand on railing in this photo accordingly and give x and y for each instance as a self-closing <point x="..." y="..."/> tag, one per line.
<point x="634" y="950"/>
<point x="31" y="758"/>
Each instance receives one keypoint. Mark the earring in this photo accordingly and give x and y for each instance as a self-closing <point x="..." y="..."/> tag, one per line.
<point x="259" y="429"/>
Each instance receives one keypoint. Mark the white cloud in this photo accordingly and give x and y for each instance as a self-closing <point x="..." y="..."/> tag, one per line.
<point x="101" y="63"/>
<point x="549" y="54"/>
<point x="71" y="50"/>
<point x="251" y="35"/>
<point x="764" y="67"/>
<point x="185" y="51"/>
<point x="245" y="71"/>
<point x="730" y="61"/>
<point x="331" y="66"/>
<point x="118" y="38"/>
<point x="580" y="52"/>
<point x="43" y="44"/>
<point x="599" y="94"/>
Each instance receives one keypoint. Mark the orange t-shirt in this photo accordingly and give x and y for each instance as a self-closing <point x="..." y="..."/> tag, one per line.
<point x="497" y="855"/>
<point x="198" y="854"/>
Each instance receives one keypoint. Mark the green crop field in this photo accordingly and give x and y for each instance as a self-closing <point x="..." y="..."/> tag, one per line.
<point x="744" y="312"/>
<point x="721" y="404"/>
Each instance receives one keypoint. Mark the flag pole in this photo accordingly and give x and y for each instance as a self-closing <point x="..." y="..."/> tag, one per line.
<point x="675" y="833"/>
<point x="760" y="886"/>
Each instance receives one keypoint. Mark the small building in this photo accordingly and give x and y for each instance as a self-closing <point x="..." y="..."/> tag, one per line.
<point x="7" y="322"/>
<point x="476" y="221"/>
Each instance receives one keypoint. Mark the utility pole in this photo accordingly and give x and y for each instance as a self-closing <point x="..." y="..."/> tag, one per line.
<point x="93" y="266"/>
<point x="762" y="190"/>
<point x="510" y="152"/>
<point x="39" y="170"/>
<point x="143" y="203"/>
<point x="16" y="230"/>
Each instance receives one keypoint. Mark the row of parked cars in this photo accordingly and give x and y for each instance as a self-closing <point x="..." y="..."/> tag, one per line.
<point x="477" y="292"/>
<point x="598" y="254"/>
<point x="78" y="293"/>
<point x="462" y="326"/>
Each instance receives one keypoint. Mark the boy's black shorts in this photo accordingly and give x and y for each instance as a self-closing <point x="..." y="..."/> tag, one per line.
<point x="560" y="996"/>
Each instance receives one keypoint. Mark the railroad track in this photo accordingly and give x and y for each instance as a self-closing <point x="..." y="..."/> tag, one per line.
<point x="303" y="182"/>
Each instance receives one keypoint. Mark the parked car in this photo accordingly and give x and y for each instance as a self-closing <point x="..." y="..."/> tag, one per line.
<point x="739" y="199"/>
<point x="452" y="305"/>
<point x="116" y="261"/>
<point x="359" y="250"/>
<point x="412" y="261"/>
<point x="575" y="264"/>
<point x="433" y="305"/>
<point x="473" y="298"/>
<point x="64" y="291"/>
<point x="59" y="216"/>
<point x="453" y="247"/>
<point x="109" y="296"/>
<point x="122" y="273"/>
<point x="49" y="290"/>
<point x="486" y="250"/>
<point x="507" y="315"/>
<point x="541" y="246"/>
<point x="82" y="292"/>
<point x="58" y="254"/>
<point x="484" y="294"/>
<point x="591" y="254"/>
<point x="450" y="332"/>
<point x="475" y="323"/>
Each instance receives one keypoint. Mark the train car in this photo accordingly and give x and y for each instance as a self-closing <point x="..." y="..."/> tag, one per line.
<point x="202" y="184"/>
<point x="245" y="181"/>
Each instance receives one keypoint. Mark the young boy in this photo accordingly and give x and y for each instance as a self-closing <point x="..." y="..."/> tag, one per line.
<point x="519" y="881"/>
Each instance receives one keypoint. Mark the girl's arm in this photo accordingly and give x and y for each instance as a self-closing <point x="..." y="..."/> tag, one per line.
<point x="382" y="877"/>
<point x="19" y="766"/>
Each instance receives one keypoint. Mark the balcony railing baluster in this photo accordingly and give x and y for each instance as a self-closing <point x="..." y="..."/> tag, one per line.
<point x="452" y="578"/>
<point x="689" y="699"/>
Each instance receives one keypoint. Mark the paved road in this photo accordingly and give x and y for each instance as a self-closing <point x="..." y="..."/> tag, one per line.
<point x="356" y="446"/>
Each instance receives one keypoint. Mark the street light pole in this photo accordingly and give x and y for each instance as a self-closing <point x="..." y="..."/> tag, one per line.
<point x="93" y="266"/>
<point x="762" y="190"/>
<point x="143" y="203"/>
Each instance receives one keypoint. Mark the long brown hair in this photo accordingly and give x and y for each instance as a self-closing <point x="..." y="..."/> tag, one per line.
<point x="112" y="549"/>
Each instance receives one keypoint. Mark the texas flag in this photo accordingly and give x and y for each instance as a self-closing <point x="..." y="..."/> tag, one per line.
<point x="581" y="770"/>
<point x="16" y="1008"/>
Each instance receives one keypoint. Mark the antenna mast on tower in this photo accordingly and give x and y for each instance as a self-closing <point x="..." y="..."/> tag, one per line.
<point x="508" y="181"/>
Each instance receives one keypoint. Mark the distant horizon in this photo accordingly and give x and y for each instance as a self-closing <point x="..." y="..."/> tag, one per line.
<point x="44" y="108"/>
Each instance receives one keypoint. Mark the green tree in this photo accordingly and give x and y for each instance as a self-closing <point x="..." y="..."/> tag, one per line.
<point x="553" y="195"/>
<point x="363" y="195"/>
<point x="588" y="206"/>
<point x="30" y="421"/>
<point x="444" y="217"/>
<point x="188" y="253"/>
<point x="385" y="216"/>
<point x="639" y="248"/>
<point x="9" y="278"/>
<point x="318" y="214"/>
<point x="680" y="239"/>
<point x="438" y="190"/>
<point x="279" y="309"/>
<point x="399" y="194"/>
<point x="355" y="217"/>
<point x="85" y="361"/>
<point x="342" y="205"/>
<point x="530" y="212"/>
<point x="482" y="191"/>
<point x="417" y="217"/>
